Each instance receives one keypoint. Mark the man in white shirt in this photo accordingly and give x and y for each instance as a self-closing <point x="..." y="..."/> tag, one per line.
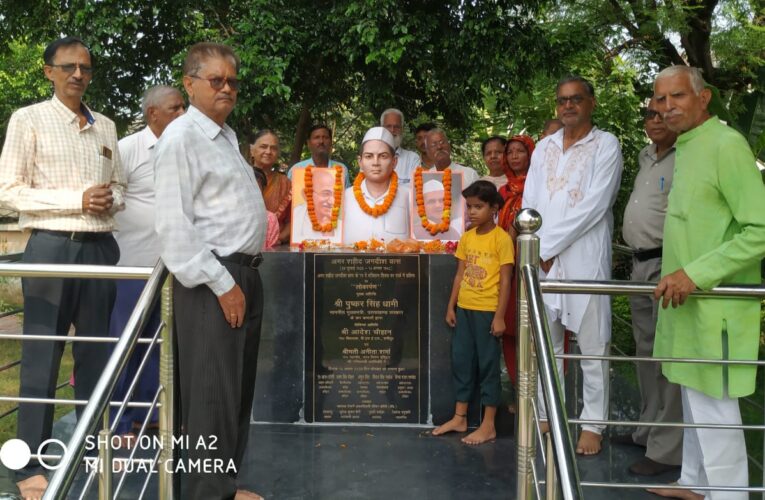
<point x="211" y="224"/>
<point x="573" y="181"/>
<point x="138" y="243"/>
<point x="393" y="121"/>
<point x="375" y="184"/>
<point x="440" y="151"/>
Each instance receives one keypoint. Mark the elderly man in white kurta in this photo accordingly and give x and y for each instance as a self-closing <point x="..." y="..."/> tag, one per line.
<point x="573" y="181"/>
<point x="384" y="214"/>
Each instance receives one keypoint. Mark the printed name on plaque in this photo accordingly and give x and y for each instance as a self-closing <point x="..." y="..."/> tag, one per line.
<point x="365" y="353"/>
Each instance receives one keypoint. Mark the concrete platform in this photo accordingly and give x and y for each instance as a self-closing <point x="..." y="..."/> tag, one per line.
<point x="322" y="462"/>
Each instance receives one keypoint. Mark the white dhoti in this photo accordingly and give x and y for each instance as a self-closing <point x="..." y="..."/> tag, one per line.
<point x="594" y="373"/>
<point x="713" y="457"/>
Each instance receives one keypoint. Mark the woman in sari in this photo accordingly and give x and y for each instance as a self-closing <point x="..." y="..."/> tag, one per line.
<point x="493" y="149"/>
<point x="277" y="195"/>
<point x="516" y="162"/>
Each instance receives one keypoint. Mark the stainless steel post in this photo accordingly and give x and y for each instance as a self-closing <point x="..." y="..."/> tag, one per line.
<point x="551" y="478"/>
<point x="105" y="460"/>
<point x="167" y="396"/>
<point x="527" y="222"/>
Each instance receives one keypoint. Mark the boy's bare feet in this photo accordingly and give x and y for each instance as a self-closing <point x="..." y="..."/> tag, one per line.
<point x="589" y="443"/>
<point x="33" y="488"/>
<point x="673" y="493"/>
<point x="247" y="495"/>
<point x="484" y="433"/>
<point x="458" y="423"/>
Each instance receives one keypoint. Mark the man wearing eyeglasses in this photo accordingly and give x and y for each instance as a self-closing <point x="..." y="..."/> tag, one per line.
<point x="211" y="223"/>
<point x="643" y="231"/>
<point x="573" y="181"/>
<point x="440" y="151"/>
<point x="60" y="170"/>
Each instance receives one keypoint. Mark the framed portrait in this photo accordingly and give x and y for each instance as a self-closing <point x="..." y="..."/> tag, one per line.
<point x="434" y="204"/>
<point x="314" y="208"/>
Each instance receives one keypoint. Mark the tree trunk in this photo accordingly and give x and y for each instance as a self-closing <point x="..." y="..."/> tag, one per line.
<point x="301" y="133"/>
<point x="696" y="41"/>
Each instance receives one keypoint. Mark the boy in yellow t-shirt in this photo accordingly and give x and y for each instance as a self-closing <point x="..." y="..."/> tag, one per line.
<point x="477" y="308"/>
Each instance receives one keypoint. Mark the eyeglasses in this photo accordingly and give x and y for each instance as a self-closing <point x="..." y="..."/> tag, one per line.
<point x="217" y="83"/>
<point x="650" y="114"/>
<point x="574" y="99"/>
<point x="71" y="68"/>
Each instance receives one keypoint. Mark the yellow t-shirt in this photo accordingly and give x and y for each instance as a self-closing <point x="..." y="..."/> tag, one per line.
<point x="483" y="255"/>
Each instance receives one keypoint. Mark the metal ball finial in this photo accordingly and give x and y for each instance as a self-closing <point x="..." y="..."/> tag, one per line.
<point x="528" y="221"/>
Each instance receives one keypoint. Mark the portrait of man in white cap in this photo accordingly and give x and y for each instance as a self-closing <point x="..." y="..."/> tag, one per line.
<point x="433" y="198"/>
<point x="324" y="183"/>
<point x="377" y="205"/>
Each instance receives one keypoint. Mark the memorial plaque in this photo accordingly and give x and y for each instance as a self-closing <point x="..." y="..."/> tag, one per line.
<point x="366" y="338"/>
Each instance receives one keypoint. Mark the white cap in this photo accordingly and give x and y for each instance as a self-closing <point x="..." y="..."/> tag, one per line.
<point x="379" y="134"/>
<point x="432" y="186"/>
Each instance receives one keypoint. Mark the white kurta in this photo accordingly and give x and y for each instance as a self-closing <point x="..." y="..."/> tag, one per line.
<point x="469" y="175"/>
<point x="135" y="233"/>
<point x="407" y="162"/>
<point x="574" y="192"/>
<point x="389" y="226"/>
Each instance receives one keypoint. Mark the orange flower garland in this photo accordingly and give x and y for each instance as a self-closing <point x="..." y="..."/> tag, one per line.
<point x="377" y="210"/>
<point x="338" y="190"/>
<point x="446" y="215"/>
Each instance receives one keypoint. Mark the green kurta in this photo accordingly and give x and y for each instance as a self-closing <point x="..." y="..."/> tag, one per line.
<point x="715" y="230"/>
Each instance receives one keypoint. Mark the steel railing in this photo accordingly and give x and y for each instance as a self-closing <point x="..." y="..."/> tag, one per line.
<point x="531" y="312"/>
<point x="97" y="408"/>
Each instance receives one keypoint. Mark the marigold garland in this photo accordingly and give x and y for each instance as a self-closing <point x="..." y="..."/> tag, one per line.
<point x="446" y="215"/>
<point x="338" y="191"/>
<point x="377" y="210"/>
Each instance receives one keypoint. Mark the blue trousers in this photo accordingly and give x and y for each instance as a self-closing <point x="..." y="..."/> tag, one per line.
<point x="475" y="357"/>
<point x="128" y="292"/>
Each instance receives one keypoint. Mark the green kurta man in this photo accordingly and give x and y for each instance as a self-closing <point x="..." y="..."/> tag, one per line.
<point x="714" y="234"/>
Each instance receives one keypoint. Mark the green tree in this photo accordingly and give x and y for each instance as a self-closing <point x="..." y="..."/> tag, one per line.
<point x="21" y="79"/>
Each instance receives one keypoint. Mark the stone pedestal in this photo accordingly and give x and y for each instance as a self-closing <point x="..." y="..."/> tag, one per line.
<point x="319" y="365"/>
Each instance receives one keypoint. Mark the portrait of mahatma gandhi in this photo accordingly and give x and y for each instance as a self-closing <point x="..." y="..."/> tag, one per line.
<point x="323" y="193"/>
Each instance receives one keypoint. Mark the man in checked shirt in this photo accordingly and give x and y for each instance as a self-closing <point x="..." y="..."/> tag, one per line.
<point x="60" y="170"/>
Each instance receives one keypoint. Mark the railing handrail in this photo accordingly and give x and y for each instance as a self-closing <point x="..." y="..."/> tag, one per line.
<point x="63" y="477"/>
<point x="27" y="270"/>
<point x="564" y="457"/>
<point x="624" y="287"/>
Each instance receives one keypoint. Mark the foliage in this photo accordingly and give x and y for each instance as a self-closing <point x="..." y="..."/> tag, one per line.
<point x="476" y="67"/>
<point x="21" y="79"/>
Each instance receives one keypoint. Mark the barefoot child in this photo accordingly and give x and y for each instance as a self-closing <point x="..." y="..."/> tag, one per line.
<point x="477" y="309"/>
